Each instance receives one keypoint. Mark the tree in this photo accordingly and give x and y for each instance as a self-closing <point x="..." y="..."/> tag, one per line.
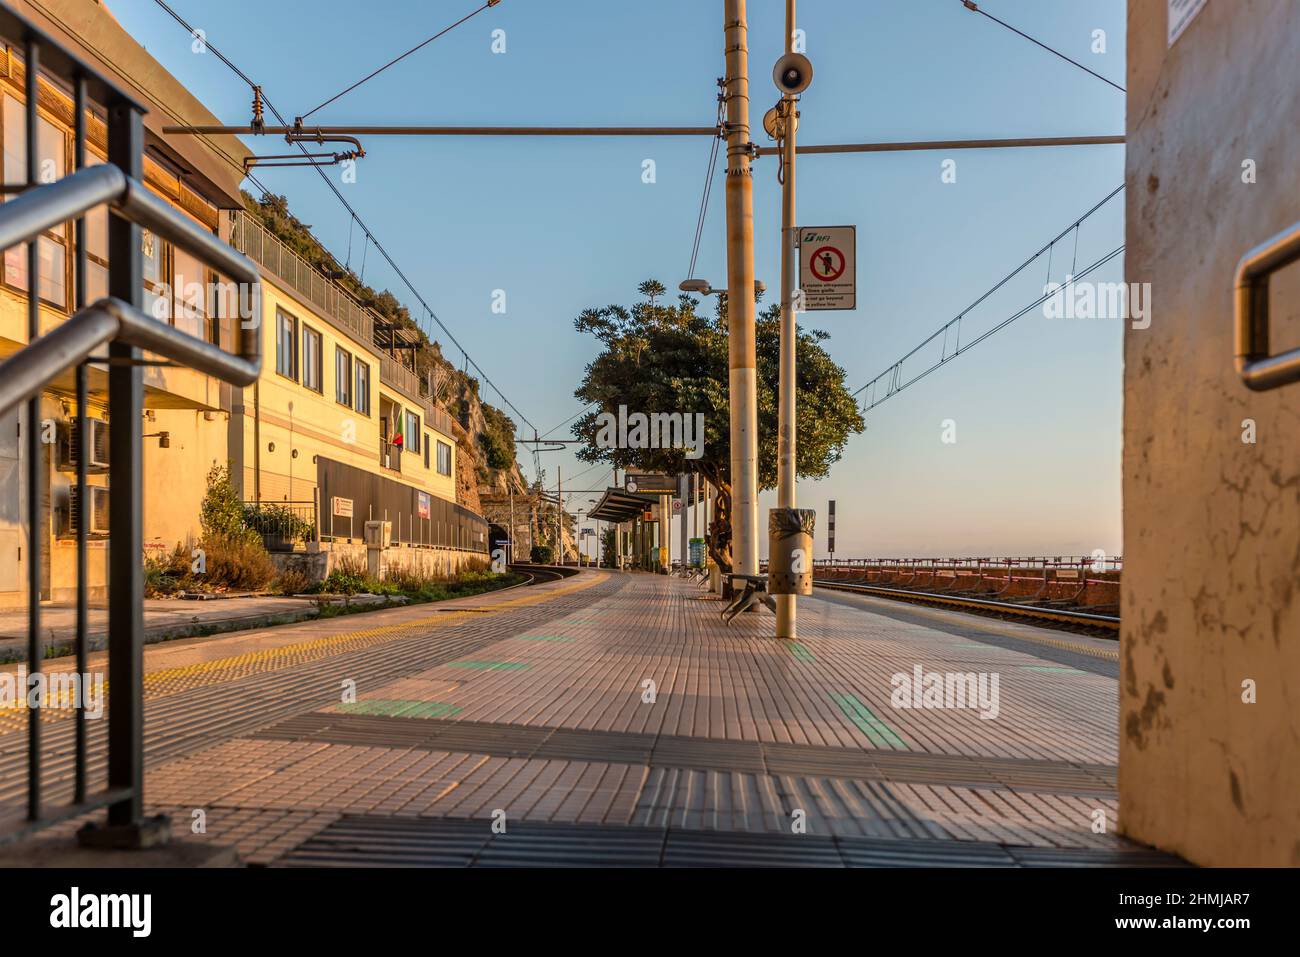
<point x="666" y="358"/>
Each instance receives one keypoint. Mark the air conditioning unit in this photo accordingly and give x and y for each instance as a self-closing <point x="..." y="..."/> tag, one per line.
<point x="96" y="446"/>
<point x="96" y="516"/>
<point x="379" y="534"/>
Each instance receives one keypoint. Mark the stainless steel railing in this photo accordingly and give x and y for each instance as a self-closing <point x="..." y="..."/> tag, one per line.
<point x="117" y="322"/>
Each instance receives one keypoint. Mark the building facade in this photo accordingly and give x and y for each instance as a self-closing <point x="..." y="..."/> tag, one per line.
<point x="336" y="406"/>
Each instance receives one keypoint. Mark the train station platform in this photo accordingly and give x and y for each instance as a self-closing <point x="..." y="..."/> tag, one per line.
<point x="611" y="718"/>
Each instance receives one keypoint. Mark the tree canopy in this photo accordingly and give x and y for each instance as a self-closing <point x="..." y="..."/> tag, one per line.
<point x="667" y="358"/>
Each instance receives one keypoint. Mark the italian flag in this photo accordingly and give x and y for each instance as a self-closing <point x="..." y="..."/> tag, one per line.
<point x="398" y="438"/>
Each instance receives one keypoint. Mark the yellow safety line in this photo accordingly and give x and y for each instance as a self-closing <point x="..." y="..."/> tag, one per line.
<point x="318" y="648"/>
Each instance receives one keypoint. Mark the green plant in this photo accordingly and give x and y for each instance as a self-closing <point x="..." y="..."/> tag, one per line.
<point x="292" y="581"/>
<point x="274" y="519"/>
<point x="221" y="514"/>
<point x="234" y="562"/>
<point x="541" y="554"/>
<point x="661" y="357"/>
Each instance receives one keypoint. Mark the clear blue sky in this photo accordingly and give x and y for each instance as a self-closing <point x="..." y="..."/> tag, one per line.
<point x="564" y="224"/>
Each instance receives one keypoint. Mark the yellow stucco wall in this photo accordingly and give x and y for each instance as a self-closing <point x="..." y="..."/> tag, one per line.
<point x="292" y="417"/>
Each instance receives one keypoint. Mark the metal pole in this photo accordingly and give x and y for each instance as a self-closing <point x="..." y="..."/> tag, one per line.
<point x="510" y="539"/>
<point x="559" y="511"/>
<point x="37" y="537"/>
<point x="742" y="361"/>
<point x="987" y="144"/>
<point x="449" y="130"/>
<point x="786" y="615"/>
<point x="126" y="503"/>
<point x="684" y="490"/>
<point x="83" y="399"/>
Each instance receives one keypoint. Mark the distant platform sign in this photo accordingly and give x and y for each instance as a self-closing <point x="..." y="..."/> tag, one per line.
<point x="647" y="483"/>
<point x="828" y="267"/>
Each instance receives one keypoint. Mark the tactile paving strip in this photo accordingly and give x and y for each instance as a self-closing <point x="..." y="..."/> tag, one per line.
<point x="367" y="841"/>
<point x="711" y="754"/>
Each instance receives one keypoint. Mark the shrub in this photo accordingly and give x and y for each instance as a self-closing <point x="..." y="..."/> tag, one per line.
<point x="235" y="562"/>
<point x="349" y="577"/>
<point x="221" y="515"/>
<point x="291" y="581"/>
<point x="542" y="554"/>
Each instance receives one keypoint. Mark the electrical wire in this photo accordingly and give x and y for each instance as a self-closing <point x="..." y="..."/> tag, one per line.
<point x="339" y="96"/>
<point x="894" y="372"/>
<point x="369" y="235"/>
<point x="972" y="5"/>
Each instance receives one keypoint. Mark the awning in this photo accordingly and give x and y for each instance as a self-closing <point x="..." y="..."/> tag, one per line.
<point x="618" y="505"/>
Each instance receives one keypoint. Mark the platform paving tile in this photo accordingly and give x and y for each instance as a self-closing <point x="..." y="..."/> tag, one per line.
<point x="640" y="709"/>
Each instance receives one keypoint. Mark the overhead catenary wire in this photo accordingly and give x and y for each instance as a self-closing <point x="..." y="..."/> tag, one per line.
<point x="420" y="46"/>
<point x="972" y="5"/>
<point x="348" y="206"/>
<point x="893" y="374"/>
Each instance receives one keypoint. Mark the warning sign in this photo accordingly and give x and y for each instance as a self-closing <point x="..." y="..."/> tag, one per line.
<point x="828" y="267"/>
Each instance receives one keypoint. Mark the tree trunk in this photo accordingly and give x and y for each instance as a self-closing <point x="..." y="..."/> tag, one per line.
<point x="717" y="536"/>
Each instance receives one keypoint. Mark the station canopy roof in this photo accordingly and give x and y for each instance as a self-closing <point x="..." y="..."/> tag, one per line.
<point x="620" y="505"/>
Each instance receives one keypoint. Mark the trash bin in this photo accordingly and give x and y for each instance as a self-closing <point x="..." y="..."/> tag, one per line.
<point x="790" y="551"/>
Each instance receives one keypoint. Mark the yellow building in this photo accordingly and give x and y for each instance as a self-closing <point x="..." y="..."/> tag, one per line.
<point x="325" y="417"/>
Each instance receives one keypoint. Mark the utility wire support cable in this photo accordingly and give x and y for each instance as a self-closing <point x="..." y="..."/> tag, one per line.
<point x="708" y="186"/>
<point x="369" y="235"/>
<point x="972" y="5"/>
<point x="339" y="96"/>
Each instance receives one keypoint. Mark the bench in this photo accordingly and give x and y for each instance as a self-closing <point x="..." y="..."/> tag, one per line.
<point x="754" y="592"/>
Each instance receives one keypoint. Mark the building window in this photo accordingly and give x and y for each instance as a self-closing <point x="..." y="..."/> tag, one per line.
<point x="444" y="458"/>
<point x="52" y="155"/>
<point x="412" y="431"/>
<point x="426" y="450"/>
<point x="362" y="393"/>
<point x="286" y="345"/>
<point x="343" y="376"/>
<point x="189" y="287"/>
<point x="311" y="359"/>
<point x="154" y="254"/>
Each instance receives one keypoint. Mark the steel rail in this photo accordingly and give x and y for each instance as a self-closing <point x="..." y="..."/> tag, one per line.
<point x="1088" y="619"/>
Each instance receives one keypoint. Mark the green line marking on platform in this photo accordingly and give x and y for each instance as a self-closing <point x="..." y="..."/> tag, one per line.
<point x="402" y="709"/>
<point x="880" y="734"/>
<point x="799" y="650"/>
<point x="545" y="638"/>
<point x="491" y="665"/>
<point x="1066" y="671"/>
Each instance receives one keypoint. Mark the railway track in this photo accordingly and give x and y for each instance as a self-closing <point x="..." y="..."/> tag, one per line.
<point x="1066" y="619"/>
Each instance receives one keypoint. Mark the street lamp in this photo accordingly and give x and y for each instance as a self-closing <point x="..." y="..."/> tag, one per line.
<point x="701" y="287"/>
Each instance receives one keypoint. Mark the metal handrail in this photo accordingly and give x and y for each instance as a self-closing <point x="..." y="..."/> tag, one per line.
<point x="1259" y="370"/>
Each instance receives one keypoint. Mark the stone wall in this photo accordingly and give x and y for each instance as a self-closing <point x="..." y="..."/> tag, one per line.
<point x="318" y="562"/>
<point x="1210" y="646"/>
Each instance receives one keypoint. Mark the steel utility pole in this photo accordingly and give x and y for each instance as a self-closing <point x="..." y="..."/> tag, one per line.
<point x="559" y="516"/>
<point x="786" y="615"/>
<point x="742" y="361"/>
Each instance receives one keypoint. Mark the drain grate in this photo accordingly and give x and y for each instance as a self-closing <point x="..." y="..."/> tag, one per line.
<point x="698" y="754"/>
<point x="366" y="841"/>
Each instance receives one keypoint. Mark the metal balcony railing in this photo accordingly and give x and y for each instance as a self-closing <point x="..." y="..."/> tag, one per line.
<point x="115" y="322"/>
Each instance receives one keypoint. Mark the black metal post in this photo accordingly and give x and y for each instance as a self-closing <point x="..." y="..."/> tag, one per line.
<point x="126" y="498"/>
<point x="79" y="159"/>
<point x="35" y="456"/>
